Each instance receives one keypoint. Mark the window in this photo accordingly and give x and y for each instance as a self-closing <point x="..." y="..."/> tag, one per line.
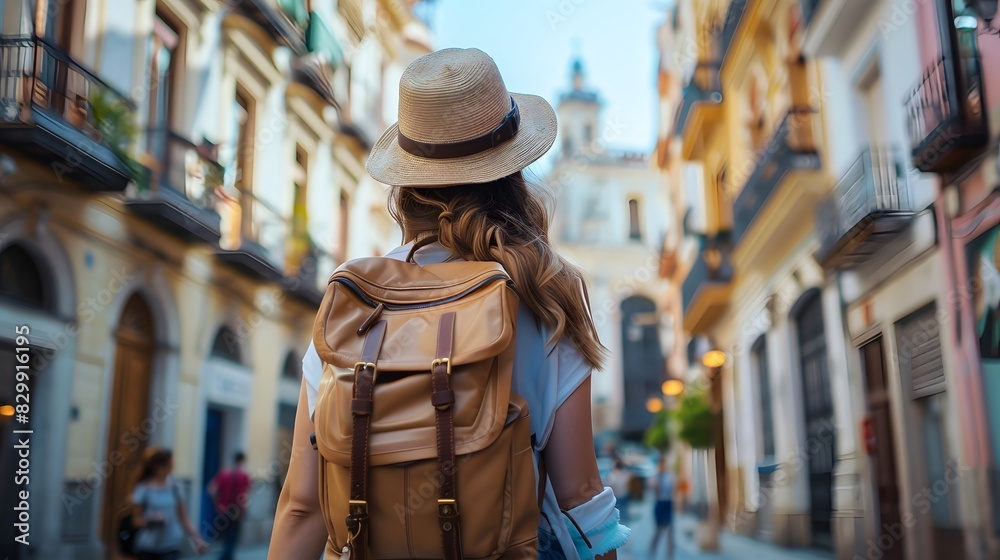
<point x="300" y="175"/>
<point x="919" y="348"/>
<point x="21" y="278"/>
<point x="588" y="134"/>
<point x="227" y="345"/>
<point x="633" y="220"/>
<point x="162" y="53"/>
<point x="344" y="217"/>
<point x="292" y="368"/>
<point x="759" y="360"/>
<point x="239" y="145"/>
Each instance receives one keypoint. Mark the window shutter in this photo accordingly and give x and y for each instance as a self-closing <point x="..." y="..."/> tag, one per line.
<point x="919" y="349"/>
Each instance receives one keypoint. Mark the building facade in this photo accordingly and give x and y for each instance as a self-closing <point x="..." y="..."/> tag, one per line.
<point x="606" y="222"/>
<point x="750" y="119"/>
<point x="178" y="180"/>
<point x="843" y="206"/>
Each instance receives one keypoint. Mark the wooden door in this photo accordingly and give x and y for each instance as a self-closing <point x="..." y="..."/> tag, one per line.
<point x="884" y="456"/>
<point x="128" y="431"/>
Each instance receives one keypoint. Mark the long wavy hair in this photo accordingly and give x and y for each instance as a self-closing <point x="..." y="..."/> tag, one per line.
<point x="505" y="221"/>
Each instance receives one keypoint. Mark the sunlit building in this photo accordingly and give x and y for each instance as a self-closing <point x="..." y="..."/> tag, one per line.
<point x="846" y="220"/>
<point x="177" y="180"/>
<point x="607" y="222"/>
<point x="750" y="117"/>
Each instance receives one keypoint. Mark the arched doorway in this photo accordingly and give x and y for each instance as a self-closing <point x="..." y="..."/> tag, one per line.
<point x="820" y="430"/>
<point x="128" y="431"/>
<point x="25" y="282"/>
<point x="642" y="363"/>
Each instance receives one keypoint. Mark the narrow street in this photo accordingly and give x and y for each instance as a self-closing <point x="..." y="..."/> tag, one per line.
<point x="732" y="547"/>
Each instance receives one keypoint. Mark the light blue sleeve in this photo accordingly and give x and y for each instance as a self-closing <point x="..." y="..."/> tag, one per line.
<point x="544" y="374"/>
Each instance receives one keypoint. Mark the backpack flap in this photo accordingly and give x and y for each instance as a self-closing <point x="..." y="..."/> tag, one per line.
<point x="411" y="300"/>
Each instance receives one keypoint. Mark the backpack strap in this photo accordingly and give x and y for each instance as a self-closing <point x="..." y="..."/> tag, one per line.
<point x="361" y="411"/>
<point x="442" y="397"/>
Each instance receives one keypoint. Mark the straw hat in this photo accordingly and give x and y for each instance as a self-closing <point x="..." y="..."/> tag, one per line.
<point x="459" y="125"/>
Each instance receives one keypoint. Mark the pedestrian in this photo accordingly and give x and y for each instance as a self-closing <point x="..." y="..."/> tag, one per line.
<point x="619" y="480"/>
<point x="663" y="511"/>
<point x="454" y="162"/>
<point x="230" y="489"/>
<point x="159" y="512"/>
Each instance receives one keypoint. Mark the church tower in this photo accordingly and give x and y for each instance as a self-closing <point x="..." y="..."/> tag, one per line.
<point x="606" y="222"/>
<point x="578" y="111"/>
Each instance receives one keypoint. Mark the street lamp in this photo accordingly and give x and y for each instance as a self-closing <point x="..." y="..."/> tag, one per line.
<point x="713" y="359"/>
<point x="673" y="387"/>
<point x="654" y="404"/>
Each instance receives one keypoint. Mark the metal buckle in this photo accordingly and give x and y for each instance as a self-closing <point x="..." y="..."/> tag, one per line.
<point x="447" y="507"/>
<point x="442" y="361"/>
<point x="358" y="508"/>
<point x="358" y="366"/>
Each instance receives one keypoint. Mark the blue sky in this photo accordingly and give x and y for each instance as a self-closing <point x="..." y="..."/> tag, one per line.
<point x="534" y="42"/>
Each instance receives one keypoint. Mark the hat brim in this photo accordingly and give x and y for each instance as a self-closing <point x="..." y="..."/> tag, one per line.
<point x="392" y="165"/>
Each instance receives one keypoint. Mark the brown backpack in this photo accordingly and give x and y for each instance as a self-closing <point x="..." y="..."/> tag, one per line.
<point x="424" y="451"/>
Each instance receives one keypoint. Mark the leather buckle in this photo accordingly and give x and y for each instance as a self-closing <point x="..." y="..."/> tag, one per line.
<point x="358" y="366"/>
<point x="442" y="361"/>
<point x="447" y="507"/>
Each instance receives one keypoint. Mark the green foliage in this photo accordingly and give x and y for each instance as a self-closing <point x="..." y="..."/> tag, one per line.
<point x="113" y="119"/>
<point x="658" y="434"/>
<point x="115" y="122"/>
<point x="696" y="419"/>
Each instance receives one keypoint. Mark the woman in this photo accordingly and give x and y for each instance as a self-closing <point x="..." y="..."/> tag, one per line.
<point x="454" y="161"/>
<point x="663" y="511"/>
<point x="158" y="510"/>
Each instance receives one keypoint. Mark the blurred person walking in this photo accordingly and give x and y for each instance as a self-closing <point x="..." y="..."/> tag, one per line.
<point x="663" y="510"/>
<point x="159" y="512"/>
<point x="230" y="490"/>
<point x="455" y="162"/>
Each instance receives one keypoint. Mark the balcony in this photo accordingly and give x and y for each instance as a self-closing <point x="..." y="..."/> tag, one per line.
<point x="284" y="20"/>
<point x="56" y="111"/>
<point x="260" y="249"/>
<point x="705" y="291"/>
<point x="181" y="197"/>
<point x="732" y="22"/>
<point x="308" y="282"/>
<point x="789" y="158"/>
<point x="869" y="208"/>
<point x="945" y="115"/>
<point x="701" y="100"/>
<point x="809" y="9"/>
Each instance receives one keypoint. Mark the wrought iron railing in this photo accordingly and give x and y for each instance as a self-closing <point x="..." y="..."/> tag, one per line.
<point x="265" y="226"/>
<point x="946" y="105"/>
<point x="874" y="185"/>
<point x="703" y="87"/>
<point x="711" y="266"/>
<point x="792" y="147"/>
<point x="733" y="16"/>
<point x="35" y="73"/>
<point x="184" y="167"/>
<point x="809" y="9"/>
